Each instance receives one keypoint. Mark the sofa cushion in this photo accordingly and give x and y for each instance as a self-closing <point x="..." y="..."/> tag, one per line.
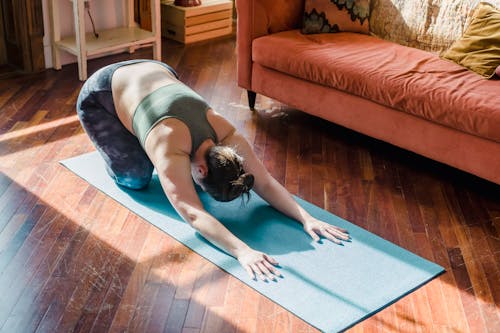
<point x="323" y="16"/>
<point x="400" y="77"/>
<point x="479" y="47"/>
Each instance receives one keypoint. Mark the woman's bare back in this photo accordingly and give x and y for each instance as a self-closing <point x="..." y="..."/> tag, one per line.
<point x="130" y="84"/>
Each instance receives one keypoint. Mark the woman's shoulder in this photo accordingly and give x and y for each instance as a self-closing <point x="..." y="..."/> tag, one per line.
<point x="223" y="128"/>
<point x="170" y="135"/>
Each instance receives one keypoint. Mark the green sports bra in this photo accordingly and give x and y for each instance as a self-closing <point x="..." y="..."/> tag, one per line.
<point x="174" y="101"/>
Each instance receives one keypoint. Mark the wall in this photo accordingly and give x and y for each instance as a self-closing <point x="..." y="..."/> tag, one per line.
<point x="106" y="14"/>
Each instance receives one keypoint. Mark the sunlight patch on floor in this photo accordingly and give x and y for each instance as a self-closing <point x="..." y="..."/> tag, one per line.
<point x="25" y="129"/>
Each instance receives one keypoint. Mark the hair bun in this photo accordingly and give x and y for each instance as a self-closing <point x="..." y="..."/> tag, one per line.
<point x="247" y="180"/>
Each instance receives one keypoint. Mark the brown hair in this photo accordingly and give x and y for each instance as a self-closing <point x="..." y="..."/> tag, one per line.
<point x="226" y="180"/>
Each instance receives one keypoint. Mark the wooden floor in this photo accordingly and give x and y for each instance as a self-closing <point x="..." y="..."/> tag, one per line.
<point x="72" y="259"/>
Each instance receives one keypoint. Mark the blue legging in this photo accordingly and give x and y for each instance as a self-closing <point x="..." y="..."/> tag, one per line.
<point x="126" y="161"/>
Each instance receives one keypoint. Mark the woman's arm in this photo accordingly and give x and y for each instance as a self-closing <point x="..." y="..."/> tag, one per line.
<point x="175" y="178"/>
<point x="278" y="197"/>
<point x="177" y="184"/>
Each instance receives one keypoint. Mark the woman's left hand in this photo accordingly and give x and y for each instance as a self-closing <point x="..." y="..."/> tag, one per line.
<point x="316" y="228"/>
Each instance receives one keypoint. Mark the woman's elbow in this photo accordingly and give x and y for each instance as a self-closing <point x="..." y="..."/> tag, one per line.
<point x="188" y="213"/>
<point x="193" y="218"/>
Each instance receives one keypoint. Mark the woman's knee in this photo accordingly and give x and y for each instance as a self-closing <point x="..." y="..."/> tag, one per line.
<point x="133" y="183"/>
<point x="134" y="177"/>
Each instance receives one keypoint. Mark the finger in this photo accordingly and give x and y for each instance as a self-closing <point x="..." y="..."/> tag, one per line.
<point x="250" y="272"/>
<point x="313" y="235"/>
<point x="327" y="235"/>
<point x="340" y="229"/>
<point x="272" y="269"/>
<point x="270" y="259"/>
<point x="266" y="271"/>
<point x="259" y="273"/>
<point x="338" y="234"/>
<point x="324" y="232"/>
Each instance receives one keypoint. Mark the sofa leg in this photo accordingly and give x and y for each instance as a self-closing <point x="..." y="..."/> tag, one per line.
<point x="252" y="95"/>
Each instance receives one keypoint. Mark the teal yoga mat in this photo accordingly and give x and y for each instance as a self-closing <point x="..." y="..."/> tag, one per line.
<point x="329" y="286"/>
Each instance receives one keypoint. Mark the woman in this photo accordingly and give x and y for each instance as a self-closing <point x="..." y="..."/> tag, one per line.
<point x="140" y="116"/>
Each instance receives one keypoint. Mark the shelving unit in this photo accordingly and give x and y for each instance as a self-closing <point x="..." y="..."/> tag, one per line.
<point x="84" y="44"/>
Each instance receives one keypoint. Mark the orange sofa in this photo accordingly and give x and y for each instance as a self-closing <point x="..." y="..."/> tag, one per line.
<point x="406" y="96"/>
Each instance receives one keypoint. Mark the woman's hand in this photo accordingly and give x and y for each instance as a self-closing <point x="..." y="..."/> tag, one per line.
<point x="316" y="228"/>
<point x="260" y="264"/>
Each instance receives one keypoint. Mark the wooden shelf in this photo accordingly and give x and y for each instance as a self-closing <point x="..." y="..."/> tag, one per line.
<point x="82" y="44"/>
<point x="109" y="40"/>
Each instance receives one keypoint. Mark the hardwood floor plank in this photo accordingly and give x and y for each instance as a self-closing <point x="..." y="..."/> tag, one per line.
<point x="58" y="273"/>
<point x="282" y="322"/>
<point x="292" y="160"/>
<point x="16" y="194"/>
<point x="120" y="276"/>
<point x="7" y="92"/>
<point x="144" y="307"/>
<point x="21" y="270"/>
<point x="196" y="310"/>
<point x="27" y="200"/>
<point x="161" y="308"/>
<point x="274" y="154"/>
<point x="305" y="168"/>
<point x="187" y="277"/>
<point x="13" y="109"/>
<point x="217" y="288"/>
<point x="232" y="309"/>
<point x="95" y="277"/>
<point x="265" y="316"/>
<point x="5" y="182"/>
<point x="190" y="330"/>
<point x="177" y="315"/>
<point x="20" y="236"/>
<point x="215" y="322"/>
<point x="136" y="279"/>
<point x="249" y="312"/>
<point x="80" y="276"/>
<point x="422" y="310"/>
<point x="28" y="311"/>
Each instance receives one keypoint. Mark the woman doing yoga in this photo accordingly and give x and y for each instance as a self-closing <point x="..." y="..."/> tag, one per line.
<point x="140" y="116"/>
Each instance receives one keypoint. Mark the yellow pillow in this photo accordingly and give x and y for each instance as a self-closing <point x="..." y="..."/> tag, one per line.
<point x="479" y="47"/>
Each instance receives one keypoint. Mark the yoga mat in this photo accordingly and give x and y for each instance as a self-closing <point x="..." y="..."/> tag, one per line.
<point x="329" y="286"/>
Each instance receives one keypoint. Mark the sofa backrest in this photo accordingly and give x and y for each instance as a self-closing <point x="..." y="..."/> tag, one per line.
<point x="282" y="15"/>
<point x="431" y="25"/>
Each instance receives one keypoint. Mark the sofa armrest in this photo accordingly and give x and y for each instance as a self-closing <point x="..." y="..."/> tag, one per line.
<point x="256" y="18"/>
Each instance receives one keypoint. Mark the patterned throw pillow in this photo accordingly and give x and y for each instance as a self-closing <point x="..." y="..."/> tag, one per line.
<point x="323" y="16"/>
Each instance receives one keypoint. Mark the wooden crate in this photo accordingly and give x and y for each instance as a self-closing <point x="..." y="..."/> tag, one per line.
<point x="213" y="18"/>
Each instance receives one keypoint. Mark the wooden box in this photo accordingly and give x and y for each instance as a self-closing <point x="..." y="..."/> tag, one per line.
<point x="213" y="18"/>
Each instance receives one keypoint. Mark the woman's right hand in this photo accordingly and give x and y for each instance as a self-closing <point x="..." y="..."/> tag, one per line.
<point x="259" y="264"/>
